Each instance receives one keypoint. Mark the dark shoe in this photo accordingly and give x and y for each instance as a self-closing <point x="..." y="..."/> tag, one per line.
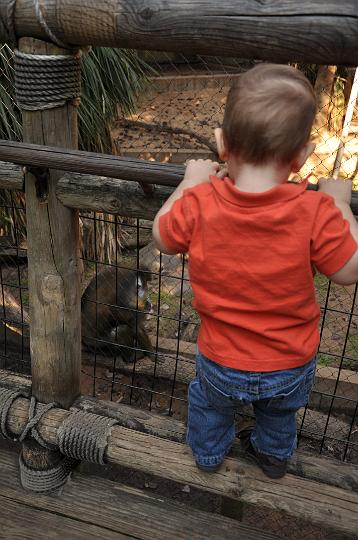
<point x="271" y="466"/>
<point x="208" y="468"/>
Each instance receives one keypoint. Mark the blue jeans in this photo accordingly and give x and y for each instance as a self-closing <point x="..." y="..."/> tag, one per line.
<point x="217" y="393"/>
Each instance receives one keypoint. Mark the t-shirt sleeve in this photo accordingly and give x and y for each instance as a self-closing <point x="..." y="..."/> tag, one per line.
<point x="332" y="244"/>
<point x="176" y="226"/>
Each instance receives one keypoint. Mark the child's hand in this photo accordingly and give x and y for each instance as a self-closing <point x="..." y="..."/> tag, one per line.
<point x="340" y="190"/>
<point x="198" y="171"/>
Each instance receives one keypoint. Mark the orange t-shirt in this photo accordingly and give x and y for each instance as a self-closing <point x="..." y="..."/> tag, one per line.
<point x="251" y="266"/>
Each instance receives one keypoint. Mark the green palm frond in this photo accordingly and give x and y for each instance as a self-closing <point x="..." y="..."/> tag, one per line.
<point x="111" y="79"/>
<point x="10" y="116"/>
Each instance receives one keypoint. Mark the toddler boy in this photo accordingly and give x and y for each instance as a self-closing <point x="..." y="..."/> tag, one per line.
<point x="254" y="242"/>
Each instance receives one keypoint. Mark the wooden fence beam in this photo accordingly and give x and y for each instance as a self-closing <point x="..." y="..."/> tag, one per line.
<point x="309" y="466"/>
<point x="64" y="159"/>
<point x="322" y="504"/>
<point x="110" y="195"/>
<point x="11" y="176"/>
<point x="113" y="195"/>
<point x="306" y="31"/>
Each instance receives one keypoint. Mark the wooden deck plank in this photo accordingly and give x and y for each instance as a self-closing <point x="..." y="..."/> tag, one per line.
<point x="319" y="503"/>
<point x="314" y="502"/>
<point x="21" y="522"/>
<point x="317" y="468"/>
<point x="121" y="512"/>
<point x="312" y="467"/>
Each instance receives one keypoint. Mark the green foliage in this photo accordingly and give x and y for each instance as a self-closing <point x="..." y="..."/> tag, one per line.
<point x="10" y="117"/>
<point x="112" y="79"/>
<point x="326" y="360"/>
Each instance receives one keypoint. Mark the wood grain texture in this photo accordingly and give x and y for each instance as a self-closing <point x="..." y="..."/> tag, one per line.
<point x="327" y="471"/>
<point x="107" y="192"/>
<point x="315" y="502"/>
<point x="61" y="158"/>
<point x="324" y="470"/>
<point x="113" y="196"/>
<point x="309" y="31"/>
<point x="21" y="522"/>
<point x="53" y="254"/>
<point x="90" y="505"/>
<point x="11" y="176"/>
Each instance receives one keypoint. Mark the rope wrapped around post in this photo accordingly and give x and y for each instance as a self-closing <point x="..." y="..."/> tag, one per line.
<point x="80" y="436"/>
<point x="46" y="81"/>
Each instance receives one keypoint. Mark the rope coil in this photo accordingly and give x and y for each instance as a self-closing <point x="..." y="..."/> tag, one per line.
<point x="46" y="81"/>
<point x="84" y="436"/>
<point x="36" y="412"/>
<point x="46" y="481"/>
<point x="81" y="436"/>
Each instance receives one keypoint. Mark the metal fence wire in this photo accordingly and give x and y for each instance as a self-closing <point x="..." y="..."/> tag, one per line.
<point x="173" y="122"/>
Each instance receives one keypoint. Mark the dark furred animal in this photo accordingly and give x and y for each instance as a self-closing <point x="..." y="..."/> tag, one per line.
<point x="112" y="317"/>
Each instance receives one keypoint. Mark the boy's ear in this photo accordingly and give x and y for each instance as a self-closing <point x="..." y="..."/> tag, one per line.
<point x="220" y="144"/>
<point x="302" y="156"/>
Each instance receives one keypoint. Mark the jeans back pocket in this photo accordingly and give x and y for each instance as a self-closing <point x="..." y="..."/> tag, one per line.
<point x="218" y="398"/>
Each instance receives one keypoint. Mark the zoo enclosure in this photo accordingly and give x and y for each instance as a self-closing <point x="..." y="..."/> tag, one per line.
<point x="82" y="192"/>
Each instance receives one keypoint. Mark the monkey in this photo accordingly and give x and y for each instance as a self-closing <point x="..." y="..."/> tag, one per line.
<point x="112" y="316"/>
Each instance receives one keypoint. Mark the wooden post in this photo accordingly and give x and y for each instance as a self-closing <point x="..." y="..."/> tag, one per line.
<point x="53" y="270"/>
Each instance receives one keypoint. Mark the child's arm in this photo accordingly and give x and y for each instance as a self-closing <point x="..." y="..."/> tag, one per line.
<point x="341" y="191"/>
<point x="196" y="172"/>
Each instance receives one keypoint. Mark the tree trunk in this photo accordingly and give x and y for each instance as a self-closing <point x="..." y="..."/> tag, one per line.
<point x="323" y="89"/>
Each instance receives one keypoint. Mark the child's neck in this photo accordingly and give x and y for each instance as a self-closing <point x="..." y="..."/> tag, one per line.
<point x="258" y="178"/>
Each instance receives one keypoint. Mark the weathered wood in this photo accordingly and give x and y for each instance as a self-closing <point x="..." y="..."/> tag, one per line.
<point x="326" y="471"/>
<point x="237" y="479"/>
<point x="53" y="253"/>
<point x="11" y="176"/>
<point x="113" y="196"/>
<point x="312" y="467"/>
<point x="306" y="31"/>
<point x="147" y="172"/>
<point x="28" y="523"/>
<point x="101" y="193"/>
<point x="15" y="381"/>
<point x="53" y="274"/>
<point x="91" y="504"/>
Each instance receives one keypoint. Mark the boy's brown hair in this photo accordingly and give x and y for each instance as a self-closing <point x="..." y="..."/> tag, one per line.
<point x="269" y="114"/>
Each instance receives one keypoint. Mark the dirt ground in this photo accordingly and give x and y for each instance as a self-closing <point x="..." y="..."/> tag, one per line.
<point x="200" y="111"/>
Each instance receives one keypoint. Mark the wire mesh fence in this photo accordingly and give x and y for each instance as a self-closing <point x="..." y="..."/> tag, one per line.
<point x="174" y="121"/>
